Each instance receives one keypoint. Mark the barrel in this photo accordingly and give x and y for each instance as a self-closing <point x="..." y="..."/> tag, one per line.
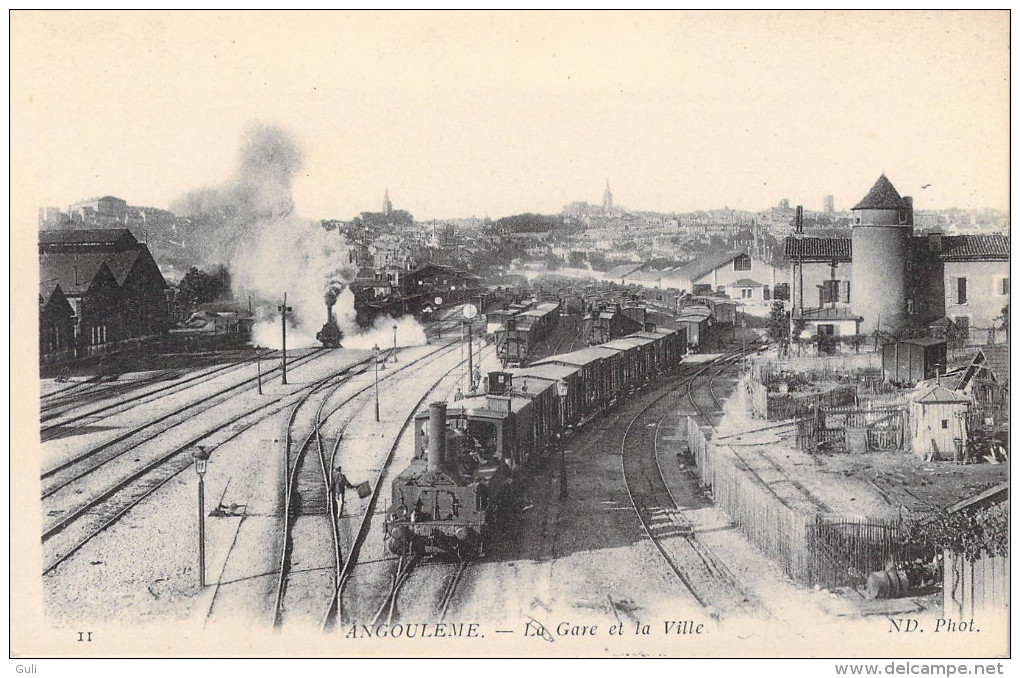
<point x="887" y="584"/>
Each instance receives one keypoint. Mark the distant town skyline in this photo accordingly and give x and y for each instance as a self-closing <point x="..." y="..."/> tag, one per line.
<point x="502" y="113"/>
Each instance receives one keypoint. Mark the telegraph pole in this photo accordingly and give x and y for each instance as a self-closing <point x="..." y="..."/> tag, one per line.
<point x="800" y="257"/>
<point x="283" y="309"/>
<point x="471" y="364"/>
<point x="258" y="363"/>
<point x="375" y="359"/>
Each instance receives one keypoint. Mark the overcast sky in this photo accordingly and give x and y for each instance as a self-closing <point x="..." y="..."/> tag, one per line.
<point x="494" y="114"/>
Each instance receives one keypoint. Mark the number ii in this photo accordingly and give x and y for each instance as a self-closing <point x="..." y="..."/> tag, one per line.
<point x="84" y="636"/>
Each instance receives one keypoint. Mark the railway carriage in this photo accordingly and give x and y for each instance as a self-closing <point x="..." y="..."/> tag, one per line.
<point x="600" y="374"/>
<point x="454" y="492"/>
<point x="639" y="358"/>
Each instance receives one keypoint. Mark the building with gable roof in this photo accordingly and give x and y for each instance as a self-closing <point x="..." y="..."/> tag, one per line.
<point x="109" y="280"/>
<point x="56" y="320"/>
<point x="885" y="277"/>
<point x="734" y="273"/>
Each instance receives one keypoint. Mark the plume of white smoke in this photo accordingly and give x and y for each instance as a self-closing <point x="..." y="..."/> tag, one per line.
<point x="250" y="223"/>
<point x="409" y="333"/>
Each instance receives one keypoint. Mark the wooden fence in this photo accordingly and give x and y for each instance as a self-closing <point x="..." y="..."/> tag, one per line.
<point x="822" y="367"/>
<point x="844" y="551"/>
<point x="980" y="415"/>
<point x="971" y="589"/>
<point x="779" y="531"/>
<point x="810" y="547"/>
<point x="880" y="429"/>
<point x="778" y="406"/>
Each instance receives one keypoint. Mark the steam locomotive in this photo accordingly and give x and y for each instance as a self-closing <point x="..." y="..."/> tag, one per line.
<point x="331" y="335"/>
<point x="451" y="497"/>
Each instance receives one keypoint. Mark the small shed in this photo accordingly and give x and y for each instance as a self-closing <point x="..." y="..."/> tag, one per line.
<point x="909" y="361"/>
<point x="938" y="423"/>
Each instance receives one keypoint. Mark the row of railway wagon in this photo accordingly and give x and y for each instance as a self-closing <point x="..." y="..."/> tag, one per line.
<point x="519" y="328"/>
<point x="454" y="494"/>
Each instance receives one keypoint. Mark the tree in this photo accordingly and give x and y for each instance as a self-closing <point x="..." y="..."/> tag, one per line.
<point x="597" y="261"/>
<point x="1004" y="317"/>
<point x="198" y="287"/>
<point x="779" y="324"/>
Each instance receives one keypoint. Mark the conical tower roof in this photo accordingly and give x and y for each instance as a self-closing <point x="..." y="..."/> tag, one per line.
<point x="882" y="196"/>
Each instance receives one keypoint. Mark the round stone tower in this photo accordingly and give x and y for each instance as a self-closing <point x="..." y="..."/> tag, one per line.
<point x="882" y="225"/>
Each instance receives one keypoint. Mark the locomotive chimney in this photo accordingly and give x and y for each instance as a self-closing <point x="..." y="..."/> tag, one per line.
<point x="437" y="436"/>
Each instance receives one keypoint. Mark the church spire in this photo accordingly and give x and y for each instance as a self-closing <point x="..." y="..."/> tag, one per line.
<point x="387" y="206"/>
<point x="607" y="197"/>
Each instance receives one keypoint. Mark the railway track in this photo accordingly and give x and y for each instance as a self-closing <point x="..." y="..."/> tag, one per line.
<point x="99" y="512"/>
<point x="706" y="578"/>
<point x="109" y="384"/>
<point x="305" y="478"/>
<point x="408" y="567"/>
<point x="58" y="428"/>
<point x="571" y="334"/>
<point x="753" y="460"/>
<point x="307" y="491"/>
<point x="72" y="470"/>
<point x="333" y="617"/>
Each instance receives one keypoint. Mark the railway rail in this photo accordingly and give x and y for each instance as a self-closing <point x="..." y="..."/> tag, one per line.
<point x="299" y="480"/>
<point x="751" y="460"/>
<point x="58" y="428"/>
<point x="109" y="384"/>
<point x="72" y="470"/>
<point x="333" y="617"/>
<point x="706" y="578"/>
<point x="99" y="512"/>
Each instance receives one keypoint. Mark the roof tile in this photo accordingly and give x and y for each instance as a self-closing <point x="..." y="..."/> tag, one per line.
<point x="882" y="196"/>
<point x="824" y="249"/>
<point x="975" y="247"/>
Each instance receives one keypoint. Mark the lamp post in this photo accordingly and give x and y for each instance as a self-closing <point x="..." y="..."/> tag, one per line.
<point x="394" y="342"/>
<point x="375" y="353"/>
<point x="201" y="463"/>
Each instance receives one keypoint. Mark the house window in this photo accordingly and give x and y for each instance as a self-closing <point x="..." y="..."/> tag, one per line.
<point x="782" y="291"/>
<point x="746" y="293"/>
<point x="1004" y="287"/>
<point x="945" y="423"/>
<point x="830" y="291"/>
<point x="742" y="263"/>
<point x="961" y="290"/>
<point x="766" y="293"/>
